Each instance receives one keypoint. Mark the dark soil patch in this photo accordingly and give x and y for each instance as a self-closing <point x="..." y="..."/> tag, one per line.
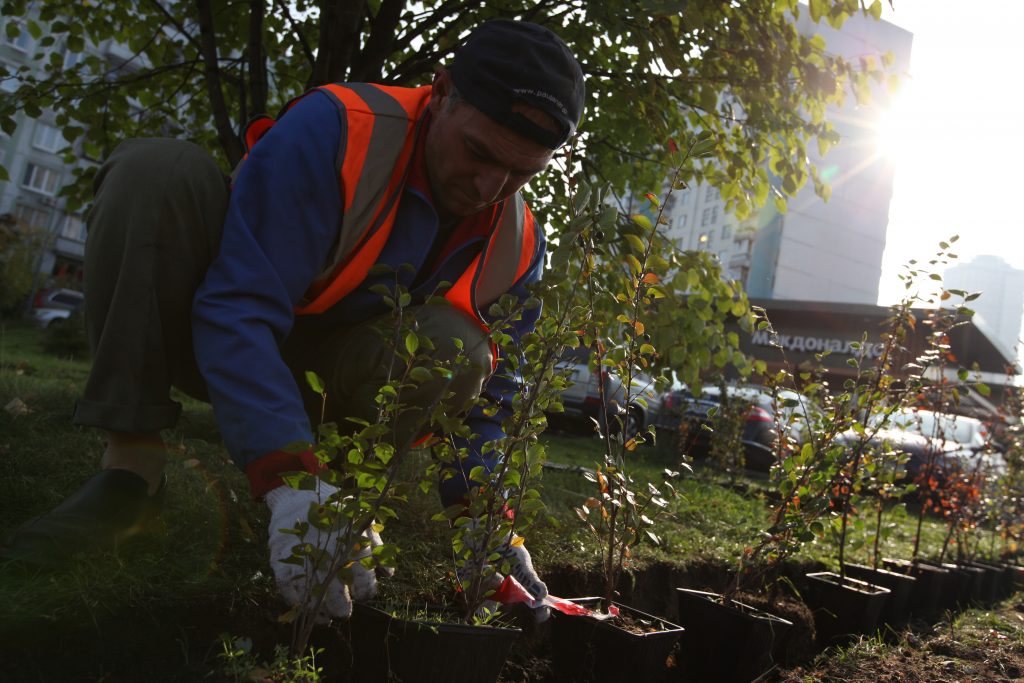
<point x="972" y="654"/>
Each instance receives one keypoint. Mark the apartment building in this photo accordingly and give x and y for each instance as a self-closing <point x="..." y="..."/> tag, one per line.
<point x="816" y="251"/>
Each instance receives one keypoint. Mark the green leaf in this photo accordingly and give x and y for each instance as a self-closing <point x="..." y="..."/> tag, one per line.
<point x="636" y="244"/>
<point x="412" y="342"/>
<point x="421" y="374"/>
<point x="704" y="147"/>
<point x="314" y="382"/>
<point x="642" y="221"/>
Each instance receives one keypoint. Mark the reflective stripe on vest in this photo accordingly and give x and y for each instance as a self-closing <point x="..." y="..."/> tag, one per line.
<point x="483" y="282"/>
<point x="382" y="123"/>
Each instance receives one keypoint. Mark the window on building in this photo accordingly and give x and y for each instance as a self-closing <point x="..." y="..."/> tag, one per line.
<point x="670" y="202"/>
<point x="74" y="227"/>
<point x="72" y="59"/>
<point x="9" y="81"/>
<point x="684" y="197"/>
<point x="48" y="138"/>
<point x="714" y="214"/>
<point x="726" y="231"/>
<point x="705" y="217"/>
<point x="40" y="179"/>
<point x="710" y="194"/>
<point x="22" y="41"/>
<point x="31" y="218"/>
<point x="681" y="220"/>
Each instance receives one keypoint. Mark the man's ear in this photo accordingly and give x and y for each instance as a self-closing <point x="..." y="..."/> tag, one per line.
<point x="442" y="89"/>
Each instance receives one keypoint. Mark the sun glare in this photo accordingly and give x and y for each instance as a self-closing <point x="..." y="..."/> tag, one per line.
<point x="896" y="134"/>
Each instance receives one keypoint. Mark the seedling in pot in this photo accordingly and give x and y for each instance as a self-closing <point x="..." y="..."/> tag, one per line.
<point x="643" y="300"/>
<point x="361" y="465"/>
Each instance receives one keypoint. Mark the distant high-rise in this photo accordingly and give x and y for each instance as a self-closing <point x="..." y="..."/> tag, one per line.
<point x="1000" y="308"/>
<point x="816" y="251"/>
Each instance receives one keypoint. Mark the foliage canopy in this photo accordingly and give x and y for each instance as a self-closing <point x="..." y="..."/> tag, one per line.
<point x="656" y="69"/>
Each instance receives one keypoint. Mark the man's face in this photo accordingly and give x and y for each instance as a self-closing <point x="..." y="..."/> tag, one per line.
<point x="472" y="161"/>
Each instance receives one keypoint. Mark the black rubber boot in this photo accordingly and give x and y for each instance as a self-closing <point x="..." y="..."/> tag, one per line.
<point x="110" y="507"/>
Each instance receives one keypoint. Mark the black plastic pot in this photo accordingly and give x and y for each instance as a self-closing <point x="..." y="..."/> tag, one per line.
<point x="389" y="649"/>
<point x="1010" y="574"/>
<point x="896" y="610"/>
<point x="956" y="584"/>
<point x="585" y="649"/>
<point x="843" y="607"/>
<point x="725" y="640"/>
<point x="992" y="590"/>
<point x="971" y="586"/>
<point x="928" y="597"/>
<point x="1017" y="572"/>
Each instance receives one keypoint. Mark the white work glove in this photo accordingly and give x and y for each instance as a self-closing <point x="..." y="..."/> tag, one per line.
<point x="520" y="566"/>
<point x="290" y="507"/>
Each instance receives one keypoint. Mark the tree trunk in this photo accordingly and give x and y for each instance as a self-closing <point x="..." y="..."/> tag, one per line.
<point x="229" y="141"/>
<point x="257" y="60"/>
<point x="369" y="65"/>
<point x="340" y="22"/>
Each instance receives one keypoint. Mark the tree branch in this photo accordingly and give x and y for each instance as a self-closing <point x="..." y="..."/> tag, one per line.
<point x="297" y="30"/>
<point x="339" y="39"/>
<point x="229" y="141"/>
<point x="450" y="8"/>
<point x="370" y="63"/>
<point x="177" y="24"/>
<point x="257" y="60"/>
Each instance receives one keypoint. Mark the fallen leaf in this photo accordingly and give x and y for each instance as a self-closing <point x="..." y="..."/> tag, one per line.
<point x="16" y="408"/>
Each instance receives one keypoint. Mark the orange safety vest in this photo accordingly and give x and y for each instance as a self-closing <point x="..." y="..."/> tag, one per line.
<point x="382" y="126"/>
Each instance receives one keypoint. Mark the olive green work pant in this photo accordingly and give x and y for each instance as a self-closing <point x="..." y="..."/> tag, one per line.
<point x="153" y="231"/>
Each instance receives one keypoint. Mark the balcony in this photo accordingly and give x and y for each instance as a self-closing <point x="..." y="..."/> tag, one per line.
<point x="739" y="261"/>
<point x="69" y="248"/>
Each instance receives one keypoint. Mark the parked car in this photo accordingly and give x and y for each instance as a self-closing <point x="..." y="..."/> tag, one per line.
<point x="56" y="305"/>
<point x="963" y="441"/>
<point x="918" y="450"/>
<point x="582" y="399"/>
<point x="760" y="434"/>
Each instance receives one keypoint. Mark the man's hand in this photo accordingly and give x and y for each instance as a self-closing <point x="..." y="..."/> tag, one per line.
<point x="289" y="509"/>
<point x="520" y="565"/>
<point x="515" y="558"/>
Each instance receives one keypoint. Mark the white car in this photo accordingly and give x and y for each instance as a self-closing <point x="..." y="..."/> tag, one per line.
<point x="56" y="305"/>
<point x="583" y="398"/>
<point x="959" y="437"/>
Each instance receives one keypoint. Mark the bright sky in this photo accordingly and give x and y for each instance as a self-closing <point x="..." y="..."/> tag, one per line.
<point x="957" y="134"/>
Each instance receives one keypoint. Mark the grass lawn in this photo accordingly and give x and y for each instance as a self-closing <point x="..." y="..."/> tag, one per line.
<point x="156" y="608"/>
